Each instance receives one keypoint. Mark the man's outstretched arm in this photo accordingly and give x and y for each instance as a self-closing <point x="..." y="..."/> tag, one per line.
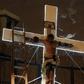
<point x="67" y="45"/>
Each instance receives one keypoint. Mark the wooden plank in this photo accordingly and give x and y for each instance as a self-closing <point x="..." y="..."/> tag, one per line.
<point x="77" y="45"/>
<point x="18" y="35"/>
<point x="7" y="36"/>
<point x="50" y="15"/>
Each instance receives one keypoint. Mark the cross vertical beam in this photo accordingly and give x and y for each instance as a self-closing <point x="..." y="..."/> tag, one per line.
<point x="50" y="27"/>
<point x="50" y="19"/>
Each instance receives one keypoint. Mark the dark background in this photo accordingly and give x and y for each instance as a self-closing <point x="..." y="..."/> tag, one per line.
<point x="31" y="13"/>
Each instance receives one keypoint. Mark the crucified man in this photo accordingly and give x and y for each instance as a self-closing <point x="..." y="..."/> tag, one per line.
<point x="50" y="57"/>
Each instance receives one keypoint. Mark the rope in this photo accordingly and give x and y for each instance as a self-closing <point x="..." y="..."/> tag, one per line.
<point x="29" y="62"/>
<point x="74" y="62"/>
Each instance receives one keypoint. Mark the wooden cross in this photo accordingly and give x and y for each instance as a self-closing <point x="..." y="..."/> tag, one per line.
<point x="50" y="19"/>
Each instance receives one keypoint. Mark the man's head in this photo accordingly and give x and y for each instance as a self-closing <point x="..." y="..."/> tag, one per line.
<point x="50" y="37"/>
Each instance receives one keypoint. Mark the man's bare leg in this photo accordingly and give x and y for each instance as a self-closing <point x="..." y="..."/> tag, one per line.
<point x="49" y="78"/>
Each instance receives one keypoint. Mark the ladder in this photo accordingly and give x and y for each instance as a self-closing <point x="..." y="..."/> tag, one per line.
<point x="19" y="67"/>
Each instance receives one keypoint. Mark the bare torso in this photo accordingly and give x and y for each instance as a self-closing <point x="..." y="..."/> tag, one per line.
<point x="50" y="49"/>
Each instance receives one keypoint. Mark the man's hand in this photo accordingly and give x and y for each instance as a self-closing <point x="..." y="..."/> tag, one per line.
<point x="65" y="45"/>
<point x="35" y="39"/>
